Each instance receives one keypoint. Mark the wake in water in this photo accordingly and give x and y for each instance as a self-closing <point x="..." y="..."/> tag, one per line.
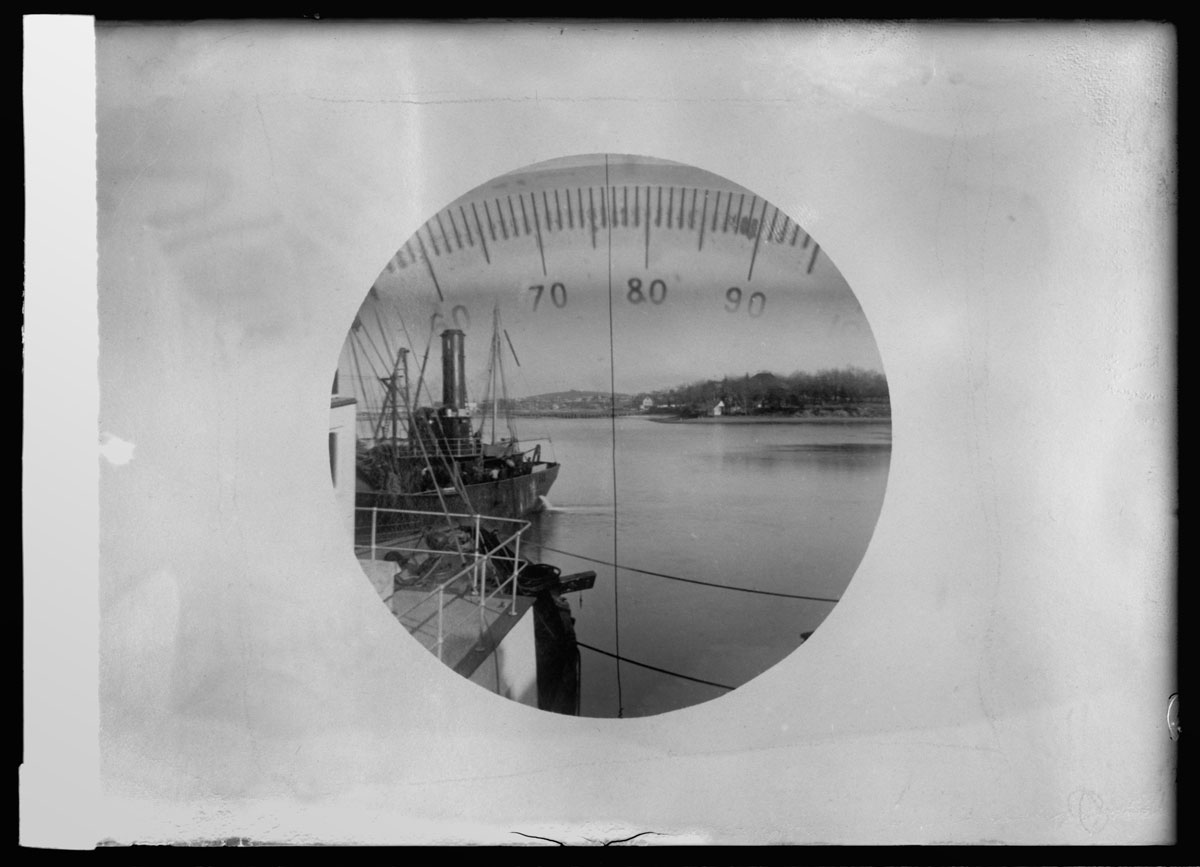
<point x="544" y="505"/>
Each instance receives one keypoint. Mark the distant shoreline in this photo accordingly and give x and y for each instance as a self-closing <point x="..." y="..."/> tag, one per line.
<point x="766" y="419"/>
<point x="705" y="419"/>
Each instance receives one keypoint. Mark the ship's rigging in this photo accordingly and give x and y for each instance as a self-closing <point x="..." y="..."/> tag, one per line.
<point x="420" y="455"/>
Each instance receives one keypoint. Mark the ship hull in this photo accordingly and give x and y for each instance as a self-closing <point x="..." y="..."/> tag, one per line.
<point x="504" y="498"/>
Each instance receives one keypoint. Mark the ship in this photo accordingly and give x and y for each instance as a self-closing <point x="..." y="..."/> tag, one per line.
<point x="433" y="460"/>
<point x="439" y="529"/>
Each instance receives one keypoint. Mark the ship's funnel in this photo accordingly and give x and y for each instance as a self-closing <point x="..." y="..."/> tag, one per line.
<point x="454" y="367"/>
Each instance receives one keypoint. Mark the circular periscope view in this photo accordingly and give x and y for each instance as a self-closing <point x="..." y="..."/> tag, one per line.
<point x="615" y="433"/>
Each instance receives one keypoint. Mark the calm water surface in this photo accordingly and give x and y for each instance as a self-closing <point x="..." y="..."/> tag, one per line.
<point x="781" y="507"/>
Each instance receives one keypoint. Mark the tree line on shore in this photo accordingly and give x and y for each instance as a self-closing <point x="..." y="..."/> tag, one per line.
<point x="849" y="388"/>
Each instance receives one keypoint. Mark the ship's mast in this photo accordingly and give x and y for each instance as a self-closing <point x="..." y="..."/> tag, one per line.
<point x="399" y="371"/>
<point x="495" y="365"/>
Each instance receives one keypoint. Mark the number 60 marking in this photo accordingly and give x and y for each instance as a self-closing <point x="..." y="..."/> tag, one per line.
<point x="459" y="314"/>
<point x="754" y="304"/>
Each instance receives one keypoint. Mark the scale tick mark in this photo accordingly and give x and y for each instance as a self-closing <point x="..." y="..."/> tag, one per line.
<point x="524" y="216"/>
<point x="737" y="221"/>
<point x="757" y="237"/>
<point x="592" y="216"/>
<point x="647" y="265"/>
<point x="512" y="213"/>
<point x="467" y="225"/>
<point x="429" y="265"/>
<point x="479" y="226"/>
<point x="538" y="225"/>
<point x="500" y="217"/>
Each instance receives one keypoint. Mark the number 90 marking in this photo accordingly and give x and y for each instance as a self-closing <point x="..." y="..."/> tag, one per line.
<point x="754" y="304"/>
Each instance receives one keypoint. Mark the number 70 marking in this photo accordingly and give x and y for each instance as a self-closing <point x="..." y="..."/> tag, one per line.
<point x="558" y="294"/>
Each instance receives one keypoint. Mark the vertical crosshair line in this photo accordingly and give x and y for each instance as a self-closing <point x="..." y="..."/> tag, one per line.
<point x="612" y="405"/>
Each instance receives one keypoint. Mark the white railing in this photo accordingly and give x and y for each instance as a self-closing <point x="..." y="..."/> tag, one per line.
<point x="476" y="562"/>
<point x="408" y="447"/>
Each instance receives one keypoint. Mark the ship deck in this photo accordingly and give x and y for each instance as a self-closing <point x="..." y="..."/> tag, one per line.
<point x="470" y="632"/>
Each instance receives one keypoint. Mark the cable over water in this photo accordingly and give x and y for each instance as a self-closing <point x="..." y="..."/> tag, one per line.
<point x="654" y="667"/>
<point x="686" y="580"/>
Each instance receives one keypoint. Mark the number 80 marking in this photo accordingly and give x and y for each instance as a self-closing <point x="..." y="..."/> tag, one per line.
<point x="657" y="293"/>
<point x="754" y="305"/>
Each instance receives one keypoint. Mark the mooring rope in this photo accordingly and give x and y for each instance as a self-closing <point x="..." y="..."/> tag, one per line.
<point x="654" y="667"/>
<point x="686" y="580"/>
